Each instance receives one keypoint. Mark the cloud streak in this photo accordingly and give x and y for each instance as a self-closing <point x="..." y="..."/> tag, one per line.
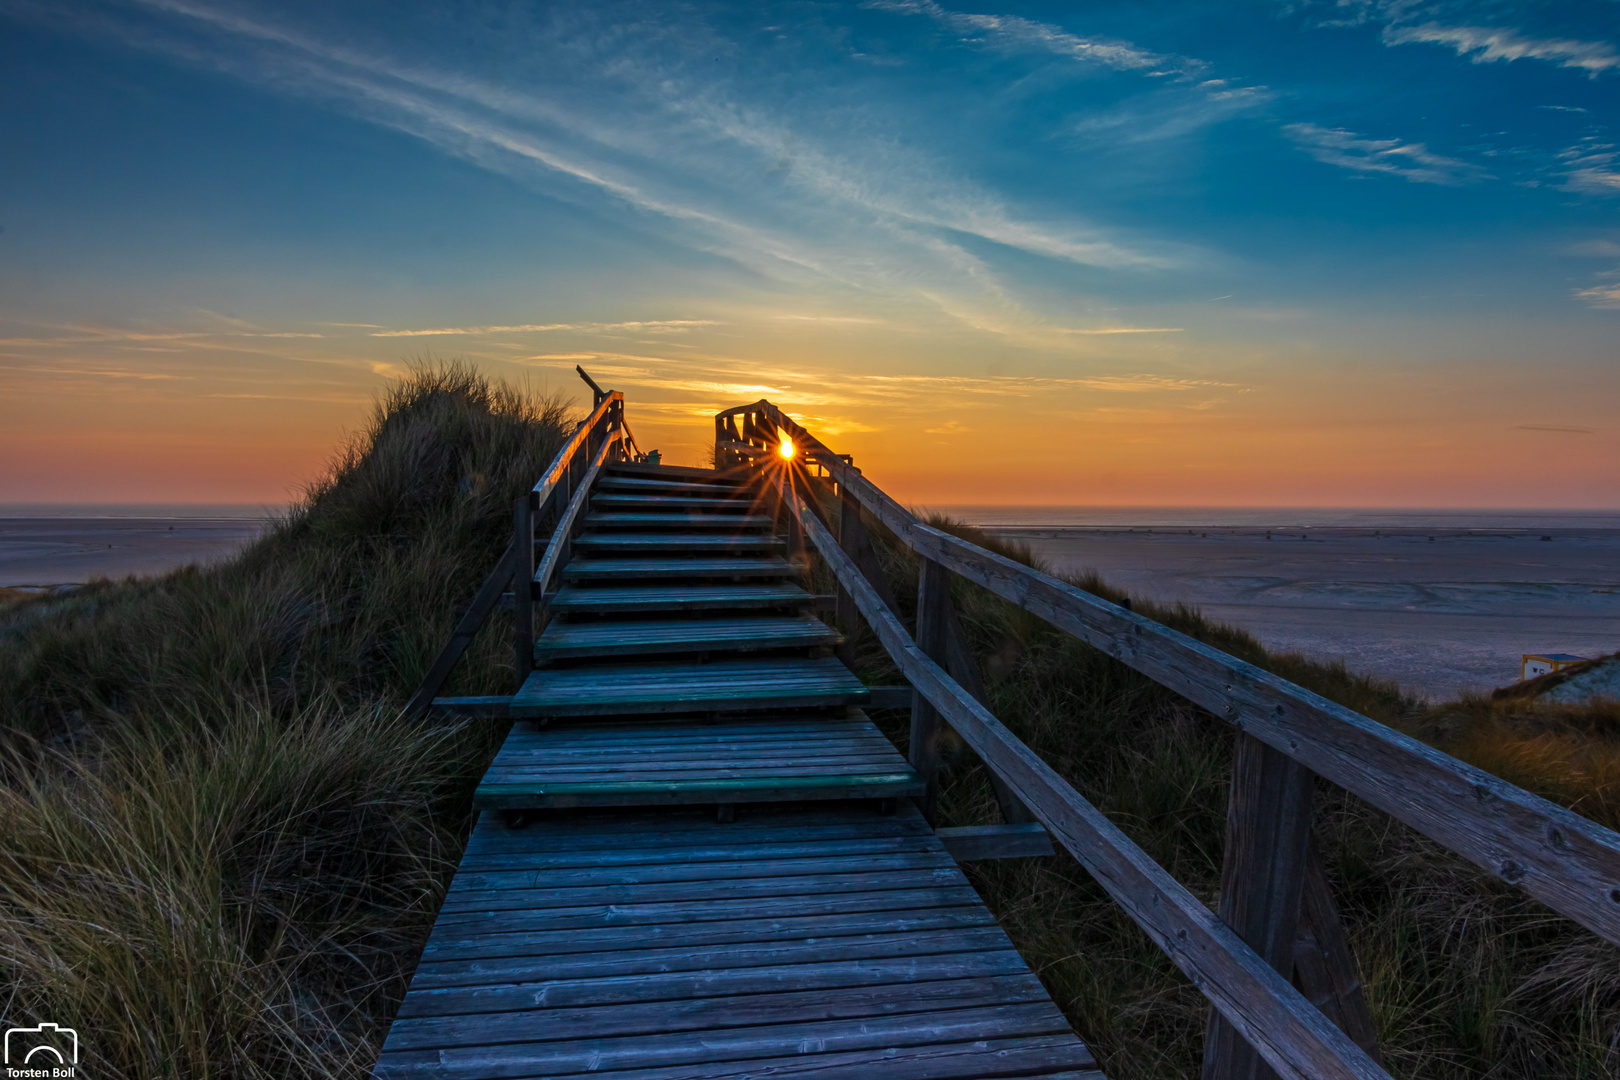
<point x="1486" y="44"/>
<point x="1410" y="161"/>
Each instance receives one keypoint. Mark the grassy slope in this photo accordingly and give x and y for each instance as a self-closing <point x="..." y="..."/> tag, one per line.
<point x="220" y="853"/>
<point x="1466" y="977"/>
<point x="219" y="850"/>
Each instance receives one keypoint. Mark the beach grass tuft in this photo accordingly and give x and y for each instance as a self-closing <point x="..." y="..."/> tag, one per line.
<point x="220" y="848"/>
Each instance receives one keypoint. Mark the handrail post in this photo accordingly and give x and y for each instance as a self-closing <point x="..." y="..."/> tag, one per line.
<point x="523" y="589"/>
<point x="933" y="598"/>
<point x="849" y="539"/>
<point x="1268" y="832"/>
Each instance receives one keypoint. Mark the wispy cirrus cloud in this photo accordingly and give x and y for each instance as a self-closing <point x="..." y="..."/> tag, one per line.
<point x="1605" y="295"/>
<point x="1591" y="166"/>
<point x="1016" y="33"/>
<point x="1411" y="161"/>
<point x="638" y="117"/>
<point x="651" y="326"/>
<point x="1489" y="44"/>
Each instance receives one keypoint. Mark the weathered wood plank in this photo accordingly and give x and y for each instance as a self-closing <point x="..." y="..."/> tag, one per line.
<point x="1042" y="1057"/>
<point x="530" y="966"/>
<point x="587" y="914"/>
<point x="1294" y="1038"/>
<point x="842" y="976"/>
<point x="1268" y="834"/>
<point x="655" y="688"/>
<point x="512" y="795"/>
<point x="572" y="1053"/>
<point x="446" y="945"/>
<point x="711" y="1014"/>
<point x="650" y="598"/>
<point x="939" y="866"/>
<point x="666" y="636"/>
<point x="689" y="569"/>
<point x="672" y="542"/>
<point x="676" y="519"/>
<point x="922" y="749"/>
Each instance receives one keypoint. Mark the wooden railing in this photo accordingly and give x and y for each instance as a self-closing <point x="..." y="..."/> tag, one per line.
<point x="1242" y="956"/>
<point x="556" y="499"/>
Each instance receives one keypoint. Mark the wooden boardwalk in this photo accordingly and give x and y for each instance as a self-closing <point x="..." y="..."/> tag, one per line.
<point x="698" y="857"/>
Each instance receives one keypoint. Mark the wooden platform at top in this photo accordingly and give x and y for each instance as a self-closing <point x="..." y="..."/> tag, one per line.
<point x="826" y="942"/>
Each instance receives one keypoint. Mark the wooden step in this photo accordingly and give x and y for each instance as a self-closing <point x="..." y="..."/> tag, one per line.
<point x="728" y="685"/>
<point x="678" y="520"/>
<point x="667" y="543"/>
<point x="693" y="569"/>
<point x="652" y="763"/>
<point x="680" y="472"/>
<point x="672" y="502"/>
<point x="566" y="640"/>
<point x="637" y="485"/>
<point x="604" y="600"/>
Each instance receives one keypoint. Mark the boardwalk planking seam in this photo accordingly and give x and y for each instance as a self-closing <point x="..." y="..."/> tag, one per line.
<point x="520" y="1058"/>
<point x="533" y="964"/>
<point x="709" y="1014"/>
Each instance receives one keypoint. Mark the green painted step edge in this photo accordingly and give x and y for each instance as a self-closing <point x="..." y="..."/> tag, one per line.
<point x="792" y="788"/>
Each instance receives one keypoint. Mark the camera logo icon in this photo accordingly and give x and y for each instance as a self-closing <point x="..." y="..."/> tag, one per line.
<point x="37" y="1045"/>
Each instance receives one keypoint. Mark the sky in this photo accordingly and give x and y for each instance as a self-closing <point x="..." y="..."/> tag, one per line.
<point x="1352" y="253"/>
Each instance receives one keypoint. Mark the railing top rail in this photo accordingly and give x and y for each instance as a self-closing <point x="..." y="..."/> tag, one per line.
<point x="1290" y="1033"/>
<point x="565" y="455"/>
<point x="1568" y="862"/>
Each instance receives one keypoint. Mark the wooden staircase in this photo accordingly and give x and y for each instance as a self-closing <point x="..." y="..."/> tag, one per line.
<point x="700" y="857"/>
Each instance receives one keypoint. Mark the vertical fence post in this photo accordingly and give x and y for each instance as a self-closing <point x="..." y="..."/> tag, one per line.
<point x="1268" y="831"/>
<point x="933" y="598"/>
<point x="849" y="527"/>
<point x="523" y="589"/>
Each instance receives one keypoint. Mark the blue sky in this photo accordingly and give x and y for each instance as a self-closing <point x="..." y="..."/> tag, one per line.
<point x="1354" y="253"/>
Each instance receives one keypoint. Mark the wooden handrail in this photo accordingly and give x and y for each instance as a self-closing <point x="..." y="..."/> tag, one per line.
<point x="516" y="565"/>
<point x="1295" y="1039"/>
<point x="1568" y="862"/>
<point x="565" y="522"/>
<point x="565" y="456"/>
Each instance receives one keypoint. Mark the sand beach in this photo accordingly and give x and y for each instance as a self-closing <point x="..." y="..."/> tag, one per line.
<point x="1444" y="615"/>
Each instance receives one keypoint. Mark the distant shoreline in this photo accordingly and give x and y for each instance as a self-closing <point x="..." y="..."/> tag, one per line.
<point x="141" y="511"/>
<point x="1273" y="517"/>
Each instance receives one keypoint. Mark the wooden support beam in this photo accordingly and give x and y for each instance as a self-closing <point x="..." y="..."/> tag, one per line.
<point x="933" y="596"/>
<point x="850" y="532"/>
<point x="522" y="592"/>
<point x="1023" y="841"/>
<point x="483" y="602"/>
<point x="1268" y="831"/>
<point x="1324" y="969"/>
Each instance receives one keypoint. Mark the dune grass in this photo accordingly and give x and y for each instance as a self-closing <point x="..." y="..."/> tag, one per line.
<point x="220" y="850"/>
<point x="1466" y="977"/>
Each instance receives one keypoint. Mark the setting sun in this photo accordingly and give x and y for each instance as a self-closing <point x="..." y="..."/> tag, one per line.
<point x="786" y="447"/>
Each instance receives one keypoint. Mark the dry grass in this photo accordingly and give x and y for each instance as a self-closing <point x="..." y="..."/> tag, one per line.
<point x="220" y="850"/>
